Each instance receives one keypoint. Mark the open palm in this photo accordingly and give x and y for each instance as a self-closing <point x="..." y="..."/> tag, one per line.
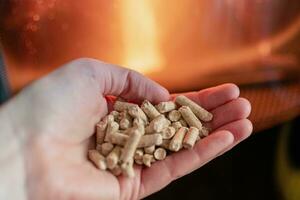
<point x="64" y="108"/>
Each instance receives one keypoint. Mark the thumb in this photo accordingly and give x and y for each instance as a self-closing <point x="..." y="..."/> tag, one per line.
<point x="126" y="83"/>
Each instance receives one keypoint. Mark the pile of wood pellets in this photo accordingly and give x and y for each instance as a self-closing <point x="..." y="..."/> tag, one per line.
<point x="147" y="133"/>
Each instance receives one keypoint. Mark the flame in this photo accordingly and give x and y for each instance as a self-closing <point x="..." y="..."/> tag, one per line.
<point x="140" y="37"/>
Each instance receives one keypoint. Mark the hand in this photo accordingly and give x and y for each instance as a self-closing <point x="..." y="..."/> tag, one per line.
<point x="54" y="119"/>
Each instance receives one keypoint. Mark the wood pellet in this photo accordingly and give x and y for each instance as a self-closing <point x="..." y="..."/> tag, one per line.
<point x="133" y="134"/>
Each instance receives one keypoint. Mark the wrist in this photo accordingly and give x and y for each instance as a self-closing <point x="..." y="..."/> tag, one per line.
<point x="12" y="171"/>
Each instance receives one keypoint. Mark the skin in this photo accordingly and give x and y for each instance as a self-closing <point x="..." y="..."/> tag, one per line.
<point x="51" y="122"/>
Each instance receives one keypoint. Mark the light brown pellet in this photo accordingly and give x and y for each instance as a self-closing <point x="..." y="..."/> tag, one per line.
<point x="160" y="154"/>
<point x="128" y="152"/>
<point x="150" y="149"/>
<point x="200" y="112"/>
<point x="190" y="138"/>
<point x="165" y="144"/>
<point x="174" y="115"/>
<point x="125" y="124"/>
<point x="139" y="123"/>
<point x="116" y="115"/>
<point x="106" y="148"/>
<point x="148" y="159"/>
<point x="138" y="154"/>
<point x="125" y="120"/>
<point x="100" y="131"/>
<point x="98" y="147"/>
<point x="112" y="127"/>
<point x="176" y="125"/>
<point x="146" y="140"/>
<point x="139" y="161"/>
<point x="122" y="106"/>
<point x="204" y="132"/>
<point x="127" y="168"/>
<point x="108" y="119"/>
<point x="101" y="128"/>
<point x="158" y="124"/>
<point x="190" y="117"/>
<point x="113" y="157"/>
<point x="150" y="110"/>
<point x="97" y="159"/>
<point x="165" y="107"/>
<point x="176" y="142"/>
<point x="168" y="132"/>
<point x="118" y="138"/>
<point x="150" y="140"/>
<point x="183" y="123"/>
<point x="137" y="112"/>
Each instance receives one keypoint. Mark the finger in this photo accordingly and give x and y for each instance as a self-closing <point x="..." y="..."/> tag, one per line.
<point x="234" y="110"/>
<point x="128" y="84"/>
<point x="183" y="162"/>
<point x="241" y="129"/>
<point x="213" y="97"/>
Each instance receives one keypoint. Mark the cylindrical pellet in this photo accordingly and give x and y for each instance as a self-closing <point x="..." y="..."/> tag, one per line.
<point x="118" y="138"/>
<point x="190" y="117"/>
<point x="160" y="154"/>
<point x="158" y="124"/>
<point x="106" y="148"/>
<point x="168" y="132"/>
<point x="176" y="125"/>
<point x="165" y="107"/>
<point x="165" y="144"/>
<point x="100" y="131"/>
<point x="183" y="123"/>
<point x="98" y="147"/>
<point x="113" y="157"/>
<point x="101" y="128"/>
<point x="108" y="119"/>
<point x="139" y="161"/>
<point x="116" y="115"/>
<point x="148" y="159"/>
<point x="150" y="140"/>
<point x="125" y="120"/>
<point x="190" y="138"/>
<point x="149" y="109"/>
<point x="125" y="123"/>
<point x="174" y="115"/>
<point x="122" y="106"/>
<point x="130" y="146"/>
<point x="176" y="142"/>
<point x="137" y="112"/>
<point x="204" y="132"/>
<point x="138" y="154"/>
<point x="146" y="140"/>
<point x="150" y="149"/>
<point x="97" y="159"/>
<point x="200" y="112"/>
<point x="127" y="168"/>
<point x="111" y="128"/>
<point x="138" y="122"/>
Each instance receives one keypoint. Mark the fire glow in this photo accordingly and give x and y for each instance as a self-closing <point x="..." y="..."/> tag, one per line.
<point x="140" y="37"/>
<point x="168" y="41"/>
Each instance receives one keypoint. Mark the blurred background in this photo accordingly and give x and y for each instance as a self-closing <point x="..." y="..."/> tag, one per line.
<point x="183" y="45"/>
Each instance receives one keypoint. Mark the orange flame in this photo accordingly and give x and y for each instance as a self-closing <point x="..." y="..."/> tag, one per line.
<point x="140" y="37"/>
